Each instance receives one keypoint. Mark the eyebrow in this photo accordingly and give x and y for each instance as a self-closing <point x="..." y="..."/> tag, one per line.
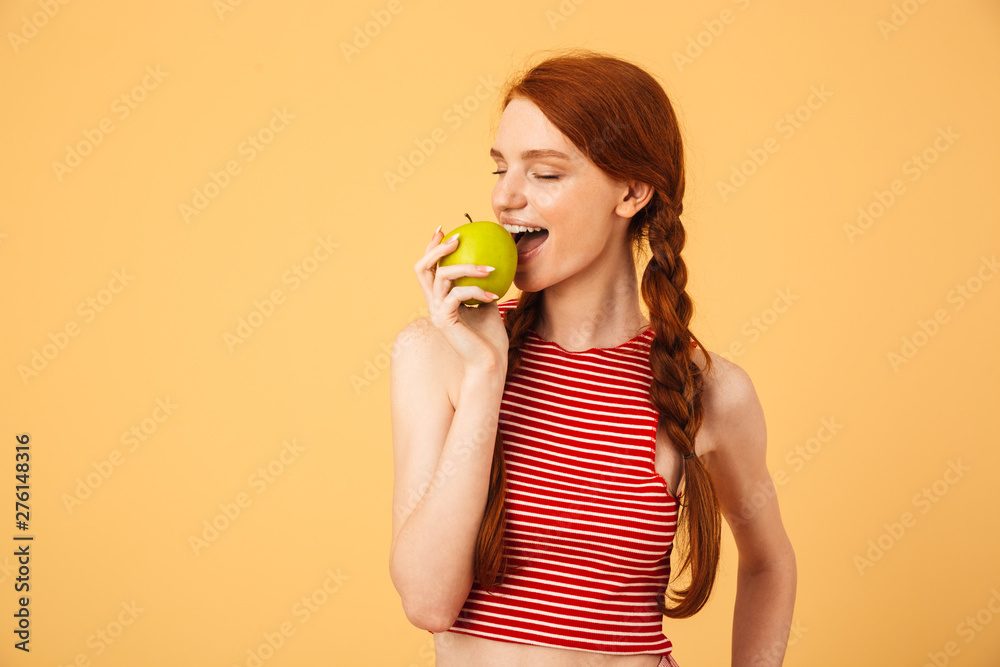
<point x="535" y="153"/>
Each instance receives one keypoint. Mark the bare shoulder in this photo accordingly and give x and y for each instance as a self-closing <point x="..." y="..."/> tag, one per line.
<point x="732" y="408"/>
<point x="422" y="349"/>
<point x="417" y="335"/>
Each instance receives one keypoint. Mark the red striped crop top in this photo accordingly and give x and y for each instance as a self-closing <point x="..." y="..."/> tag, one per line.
<point x="587" y="513"/>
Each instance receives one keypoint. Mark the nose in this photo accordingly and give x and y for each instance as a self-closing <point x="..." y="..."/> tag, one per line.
<point x="508" y="194"/>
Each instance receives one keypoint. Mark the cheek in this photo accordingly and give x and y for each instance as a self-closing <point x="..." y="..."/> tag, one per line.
<point x="550" y="201"/>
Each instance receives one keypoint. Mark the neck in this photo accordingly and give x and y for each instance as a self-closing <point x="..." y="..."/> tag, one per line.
<point x="598" y="307"/>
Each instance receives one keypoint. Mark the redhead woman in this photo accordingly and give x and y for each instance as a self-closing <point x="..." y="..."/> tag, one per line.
<point x="548" y="448"/>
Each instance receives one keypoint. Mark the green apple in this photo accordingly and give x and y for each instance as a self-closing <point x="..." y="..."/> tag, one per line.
<point x="484" y="242"/>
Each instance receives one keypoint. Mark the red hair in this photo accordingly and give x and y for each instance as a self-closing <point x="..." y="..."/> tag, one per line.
<point x="619" y="116"/>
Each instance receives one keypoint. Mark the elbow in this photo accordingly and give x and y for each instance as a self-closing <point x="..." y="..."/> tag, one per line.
<point x="424" y="608"/>
<point x="778" y="562"/>
<point x="428" y="617"/>
<point x="426" y="612"/>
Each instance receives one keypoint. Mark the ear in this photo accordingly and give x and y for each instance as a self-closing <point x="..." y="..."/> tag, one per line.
<point x="636" y="194"/>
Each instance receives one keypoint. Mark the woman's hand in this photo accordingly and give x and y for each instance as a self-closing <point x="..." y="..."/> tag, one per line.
<point x="477" y="334"/>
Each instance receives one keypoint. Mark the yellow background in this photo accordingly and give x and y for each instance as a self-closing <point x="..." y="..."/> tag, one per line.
<point x="315" y="369"/>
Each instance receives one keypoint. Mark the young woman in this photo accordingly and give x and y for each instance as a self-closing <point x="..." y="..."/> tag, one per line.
<point x="547" y="448"/>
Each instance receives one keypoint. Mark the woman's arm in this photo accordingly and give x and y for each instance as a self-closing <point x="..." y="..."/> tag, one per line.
<point x="766" y="575"/>
<point x="441" y="459"/>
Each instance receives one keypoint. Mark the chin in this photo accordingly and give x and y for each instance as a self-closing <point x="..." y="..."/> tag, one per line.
<point x="528" y="284"/>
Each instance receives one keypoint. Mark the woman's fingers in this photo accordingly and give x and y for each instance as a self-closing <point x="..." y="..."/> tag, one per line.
<point x="446" y="275"/>
<point x="436" y="282"/>
<point x="426" y="266"/>
<point x="434" y="252"/>
<point x="459" y="294"/>
<point x="444" y="301"/>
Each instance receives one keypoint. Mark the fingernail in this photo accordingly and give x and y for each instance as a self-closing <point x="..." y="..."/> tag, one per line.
<point x="453" y="238"/>
<point x="436" y="231"/>
<point x="487" y="268"/>
<point x="492" y="296"/>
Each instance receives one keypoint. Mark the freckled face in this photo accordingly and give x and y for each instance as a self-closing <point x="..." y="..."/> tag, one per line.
<point x="544" y="181"/>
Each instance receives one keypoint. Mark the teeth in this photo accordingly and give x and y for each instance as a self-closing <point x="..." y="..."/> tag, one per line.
<point x="519" y="228"/>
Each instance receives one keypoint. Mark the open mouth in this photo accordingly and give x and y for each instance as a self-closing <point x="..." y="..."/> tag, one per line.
<point x="527" y="238"/>
<point x="528" y="244"/>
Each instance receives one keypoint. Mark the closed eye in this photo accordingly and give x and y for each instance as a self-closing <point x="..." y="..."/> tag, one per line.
<point x="549" y="177"/>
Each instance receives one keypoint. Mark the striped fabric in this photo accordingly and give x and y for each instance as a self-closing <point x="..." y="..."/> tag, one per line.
<point x="587" y="513"/>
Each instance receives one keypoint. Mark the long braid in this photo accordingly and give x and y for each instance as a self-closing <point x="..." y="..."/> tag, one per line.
<point x="491" y="563"/>
<point x="676" y="391"/>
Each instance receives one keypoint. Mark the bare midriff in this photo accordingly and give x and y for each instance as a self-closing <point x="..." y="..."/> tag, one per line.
<point x="453" y="649"/>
